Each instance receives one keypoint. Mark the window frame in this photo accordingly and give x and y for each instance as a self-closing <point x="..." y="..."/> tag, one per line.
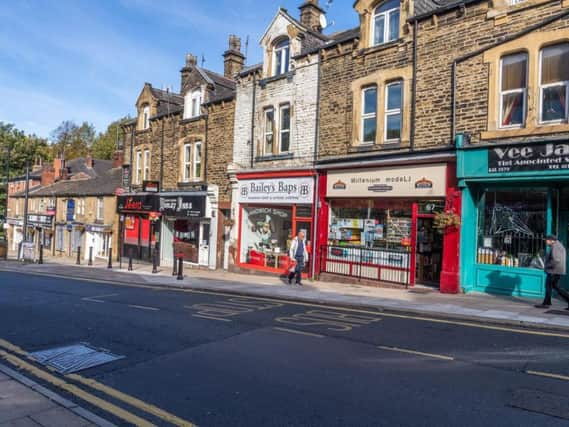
<point x="366" y="116"/>
<point x="197" y="151"/>
<point x="145" y="117"/>
<point x="502" y="93"/>
<point x="187" y="163"/>
<point x="100" y="208"/>
<point x="146" y="165"/>
<point x="196" y="99"/>
<point x="551" y="85"/>
<point x="279" y="51"/>
<point x="267" y="131"/>
<point x="386" y="24"/>
<point x="281" y="130"/>
<point x="138" y="170"/>
<point x="393" y="112"/>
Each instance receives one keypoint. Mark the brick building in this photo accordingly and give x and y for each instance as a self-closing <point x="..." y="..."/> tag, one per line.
<point x="176" y="154"/>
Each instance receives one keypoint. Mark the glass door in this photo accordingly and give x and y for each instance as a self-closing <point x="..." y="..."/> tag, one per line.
<point x="204" y="244"/>
<point x="429" y="252"/>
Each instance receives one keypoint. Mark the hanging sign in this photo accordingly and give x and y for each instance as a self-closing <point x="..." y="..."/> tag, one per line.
<point x="126" y="176"/>
<point x="277" y="191"/>
<point x="70" y="214"/>
<point x="528" y="158"/>
<point x="150" y="186"/>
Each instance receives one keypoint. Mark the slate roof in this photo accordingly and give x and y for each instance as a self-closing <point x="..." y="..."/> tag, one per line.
<point x="168" y="102"/>
<point x="426" y="8"/>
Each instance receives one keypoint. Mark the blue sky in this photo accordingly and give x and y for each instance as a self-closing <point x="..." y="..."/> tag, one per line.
<point x="87" y="60"/>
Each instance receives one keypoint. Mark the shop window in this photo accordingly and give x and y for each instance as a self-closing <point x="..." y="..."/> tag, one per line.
<point x="197" y="160"/>
<point x="146" y="172"/>
<point x="284" y="129"/>
<point x="369" y="115"/>
<point x="269" y="131"/>
<point x="281" y="57"/>
<point x="187" y="165"/>
<point x="393" y="101"/>
<point x="513" y="90"/>
<point x="512" y="228"/>
<point x="266" y="234"/>
<point x="554" y="84"/>
<point x="385" y="23"/>
<point x="138" y="176"/>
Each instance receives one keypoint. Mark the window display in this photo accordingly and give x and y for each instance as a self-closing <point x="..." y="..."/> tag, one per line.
<point x="512" y="228"/>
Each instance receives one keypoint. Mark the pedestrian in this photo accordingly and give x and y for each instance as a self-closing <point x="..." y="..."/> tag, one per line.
<point x="299" y="254"/>
<point x="555" y="267"/>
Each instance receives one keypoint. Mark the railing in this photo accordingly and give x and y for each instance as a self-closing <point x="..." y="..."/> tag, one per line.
<point x="381" y="265"/>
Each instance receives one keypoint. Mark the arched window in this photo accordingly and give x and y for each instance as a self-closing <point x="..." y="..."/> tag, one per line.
<point x="385" y="23"/>
<point x="281" y="57"/>
<point x="192" y="104"/>
<point x="146" y="117"/>
<point x="554" y="83"/>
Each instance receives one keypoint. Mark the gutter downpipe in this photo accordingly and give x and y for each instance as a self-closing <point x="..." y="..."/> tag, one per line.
<point x="317" y="176"/>
<point x="414" y="86"/>
<point x="132" y="133"/>
<point x="253" y="106"/>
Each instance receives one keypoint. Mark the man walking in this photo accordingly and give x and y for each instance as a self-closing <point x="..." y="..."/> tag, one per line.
<point x="555" y="267"/>
<point x="298" y="253"/>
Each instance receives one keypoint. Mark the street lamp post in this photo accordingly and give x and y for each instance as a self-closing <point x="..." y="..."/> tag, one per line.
<point x="26" y="197"/>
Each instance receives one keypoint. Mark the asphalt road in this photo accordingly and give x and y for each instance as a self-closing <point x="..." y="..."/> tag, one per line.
<point x="219" y="360"/>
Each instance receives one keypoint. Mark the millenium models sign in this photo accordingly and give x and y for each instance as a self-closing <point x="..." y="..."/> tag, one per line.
<point x="277" y="191"/>
<point x="527" y="158"/>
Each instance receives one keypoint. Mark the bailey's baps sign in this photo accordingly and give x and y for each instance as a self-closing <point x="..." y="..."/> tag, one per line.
<point x="527" y="158"/>
<point x="277" y="191"/>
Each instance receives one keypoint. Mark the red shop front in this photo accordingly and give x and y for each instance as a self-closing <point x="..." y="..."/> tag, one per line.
<point x="395" y="225"/>
<point x="272" y="210"/>
<point x="140" y="225"/>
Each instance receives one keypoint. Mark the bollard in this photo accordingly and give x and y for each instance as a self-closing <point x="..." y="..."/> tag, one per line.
<point x="78" y="255"/>
<point x="110" y="264"/>
<point x="180" y="268"/>
<point x="130" y="260"/>
<point x="154" y="261"/>
<point x="40" y="260"/>
<point x="175" y="265"/>
<point x="90" y="263"/>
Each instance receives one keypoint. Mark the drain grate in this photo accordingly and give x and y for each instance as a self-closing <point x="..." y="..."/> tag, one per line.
<point x="74" y="358"/>
<point x="558" y="312"/>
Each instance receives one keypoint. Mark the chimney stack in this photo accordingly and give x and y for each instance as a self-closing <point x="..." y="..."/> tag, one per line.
<point x="47" y="176"/>
<point x="58" y="167"/>
<point x="310" y="13"/>
<point x="234" y="60"/>
<point x="191" y="60"/>
<point x="118" y="158"/>
<point x="89" y="161"/>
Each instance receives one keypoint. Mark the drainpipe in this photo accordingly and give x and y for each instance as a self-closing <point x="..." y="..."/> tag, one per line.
<point x="206" y="143"/>
<point x="317" y="176"/>
<point x="414" y="87"/>
<point x="253" y="106"/>
<point x="160" y="186"/>
<point x="132" y="133"/>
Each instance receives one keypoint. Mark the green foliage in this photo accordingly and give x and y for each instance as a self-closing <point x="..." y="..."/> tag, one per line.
<point x="71" y="140"/>
<point x="106" y="142"/>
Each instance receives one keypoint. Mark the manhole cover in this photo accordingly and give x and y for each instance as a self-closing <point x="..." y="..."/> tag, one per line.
<point x="74" y="358"/>
<point x="558" y="312"/>
<point x="541" y="402"/>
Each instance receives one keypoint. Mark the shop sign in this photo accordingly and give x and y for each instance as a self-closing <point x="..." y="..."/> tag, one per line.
<point x="40" y="220"/>
<point x="137" y="203"/>
<point x="528" y="158"/>
<point x="97" y="229"/>
<point x="277" y="191"/>
<point x="412" y="181"/>
<point x="183" y="206"/>
<point x="15" y="222"/>
<point x="70" y="213"/>
<point x="126" y="176"/>
<point x="150" y="186"/>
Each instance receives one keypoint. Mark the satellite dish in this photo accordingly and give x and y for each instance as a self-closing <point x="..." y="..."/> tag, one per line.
<point x="323" y="21"/>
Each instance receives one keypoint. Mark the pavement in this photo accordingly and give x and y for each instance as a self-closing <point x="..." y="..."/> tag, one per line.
<point x="25" y="403"/>
<point x="478" y="307"/>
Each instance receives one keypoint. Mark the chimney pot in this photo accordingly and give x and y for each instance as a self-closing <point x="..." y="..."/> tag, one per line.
<point x="191" y="60"/>
<point x="234" y="60"/>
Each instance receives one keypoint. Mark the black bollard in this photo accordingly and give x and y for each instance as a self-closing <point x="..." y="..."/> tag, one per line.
<point x="78" y="255"/>
<point x="180" y="268"/>
<point x="110" y="264"/>
<point x="154" y="261"/>
<point x="40" y="260"/>
<point x="130" y="260"/>
<point x="90" y="263"/>
<point x="175" y="265"/>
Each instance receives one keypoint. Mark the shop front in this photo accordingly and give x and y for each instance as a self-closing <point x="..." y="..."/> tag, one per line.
<point x="384" y="225"/>
<point x="15" y="233"/>
<point x="272" y="211"/>
<point x="99" y="238"/>
<point x="140" y="225"/>
<point x="40" y="230"/>
<point x="513" y="196"/>
<point x="186" y="228"/>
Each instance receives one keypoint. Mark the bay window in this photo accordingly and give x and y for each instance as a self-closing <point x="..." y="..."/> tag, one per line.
<point x="385" y="22"/>
<point x="554" y="83"/>
<point x="197" y="160"/>
<point x="369" y="115"/>
<point x="392" y="123"/>
<point x="513" y="90"/>
<point x="284" y="130"/>
<point x="269" y="131"/>
<point x="281" y="58"/>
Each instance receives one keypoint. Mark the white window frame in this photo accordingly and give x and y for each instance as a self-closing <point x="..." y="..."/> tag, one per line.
<point x="187" y="163"/>
<point x="269" y="130"/>
<point x="197" y="155"/>
<point x="367" y="116"/>
<point x="195" y="103"/>
<point x="523" y="91"/>
<point x="386" y="24"/>
<point x="392" y="112"/>
<point x="284" y="53"/>
<point x="515" y="2"/>
<point x="146" y="166"/>
<point x="282" y="131"/>
<point x="550" y="85"/>
<point x="145" y="117"/>
<point x="100" y="208"/>
<point x="138" y="176"/>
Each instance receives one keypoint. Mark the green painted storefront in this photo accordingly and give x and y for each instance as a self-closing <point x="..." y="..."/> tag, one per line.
<point x="513" y="195"/>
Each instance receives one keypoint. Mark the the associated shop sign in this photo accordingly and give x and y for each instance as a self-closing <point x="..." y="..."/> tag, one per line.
<point x="404" y="181"/>
<point x="528" y="158"/>
<point x="183" y="206"/>
<point x="277" y="191"/>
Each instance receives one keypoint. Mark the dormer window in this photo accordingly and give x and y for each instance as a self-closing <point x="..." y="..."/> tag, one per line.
<point x="281" y="58"/>
<point x="192" y="104"/>
<point x="146" y="117"/>
<point x="385" y="23"/>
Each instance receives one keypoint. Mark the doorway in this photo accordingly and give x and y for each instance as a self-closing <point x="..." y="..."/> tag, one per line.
<point x="429" y="252"/>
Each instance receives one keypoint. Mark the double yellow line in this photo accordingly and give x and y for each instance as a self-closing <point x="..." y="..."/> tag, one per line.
<point x="15" y="356"/>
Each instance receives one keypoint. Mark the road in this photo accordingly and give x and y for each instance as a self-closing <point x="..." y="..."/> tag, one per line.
<point x="217" y="360"/>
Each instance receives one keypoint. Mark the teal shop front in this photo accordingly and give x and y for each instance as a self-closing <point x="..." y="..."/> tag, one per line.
<point x="513" y="195"/>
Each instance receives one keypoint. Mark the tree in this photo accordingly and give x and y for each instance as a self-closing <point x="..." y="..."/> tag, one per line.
<point x="71" y="140"/>
<point x="106" y="142"/>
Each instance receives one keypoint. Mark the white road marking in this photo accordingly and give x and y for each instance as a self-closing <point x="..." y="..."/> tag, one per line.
<point x="219" y="319"/>
<point x="142" y="307"/>
<point x="294" y="331"/>
<point x="97" y="298"/>
<point x="416" y="353"/>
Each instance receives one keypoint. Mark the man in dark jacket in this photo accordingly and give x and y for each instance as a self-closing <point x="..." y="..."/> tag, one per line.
<point x="555" y="267"/>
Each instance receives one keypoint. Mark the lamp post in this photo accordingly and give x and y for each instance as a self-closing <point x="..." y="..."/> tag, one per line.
<point x="27" y="194"/>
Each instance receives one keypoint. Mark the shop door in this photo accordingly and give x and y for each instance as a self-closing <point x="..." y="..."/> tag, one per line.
<point x="429" y="252"/>
<point x="563" y="232"/>
<point x="166" y="246"/>
<point x="204" y="244"/>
